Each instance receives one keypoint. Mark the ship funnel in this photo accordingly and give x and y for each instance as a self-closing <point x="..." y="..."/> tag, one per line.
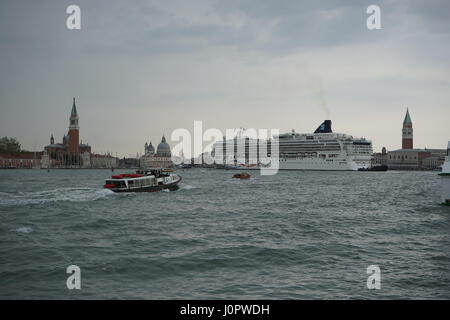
<point x="325" y="127"/>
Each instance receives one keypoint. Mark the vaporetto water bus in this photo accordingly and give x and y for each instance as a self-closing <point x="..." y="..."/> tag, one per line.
<point x="145" y="180"/>
<point x="321" y="150"/>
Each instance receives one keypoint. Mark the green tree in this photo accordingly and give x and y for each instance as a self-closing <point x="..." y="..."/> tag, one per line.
<point x="10" y="145"/>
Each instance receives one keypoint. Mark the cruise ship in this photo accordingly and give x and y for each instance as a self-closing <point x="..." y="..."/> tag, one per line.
<point x="321" y="150"/>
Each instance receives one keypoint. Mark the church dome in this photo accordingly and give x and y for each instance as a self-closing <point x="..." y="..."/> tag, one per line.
<point x="163" y="149"/>
<point x="149" y="149"/>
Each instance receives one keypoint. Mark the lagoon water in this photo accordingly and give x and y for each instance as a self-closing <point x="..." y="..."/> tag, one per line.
<point x="295" y="235"/>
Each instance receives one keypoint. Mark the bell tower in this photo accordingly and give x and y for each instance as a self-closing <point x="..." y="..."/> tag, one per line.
<point x="74" y="134"/>
<point x="407" y="132"/>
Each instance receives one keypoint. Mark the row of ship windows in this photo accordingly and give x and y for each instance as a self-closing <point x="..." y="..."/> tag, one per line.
<point x="140" y="182"/>
<point x="297" y="155"/>
<point x="294" y="146"/>
<point x="293" y="149"/>
<point x="311" y="146"/>
<point x="281" y="142"/>
<point x="308" y="142"/>
<point x="308" y="149"/>
<point x="283" y="155"/>
<point x="307" y="155"/>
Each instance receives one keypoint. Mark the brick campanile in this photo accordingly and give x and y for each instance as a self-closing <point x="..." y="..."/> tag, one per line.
<point x="74" y="130"/>
<point x="407" y="132"/>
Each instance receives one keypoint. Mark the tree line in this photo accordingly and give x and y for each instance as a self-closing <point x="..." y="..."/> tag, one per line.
<point x="11" y="146"/>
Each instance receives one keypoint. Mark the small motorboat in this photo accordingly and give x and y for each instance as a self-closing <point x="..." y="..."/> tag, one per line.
<point x="148" y="180"/>
<point x="242" y="175"/>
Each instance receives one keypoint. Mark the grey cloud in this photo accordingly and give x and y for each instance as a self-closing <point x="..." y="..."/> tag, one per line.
<point x="199" y="58"/>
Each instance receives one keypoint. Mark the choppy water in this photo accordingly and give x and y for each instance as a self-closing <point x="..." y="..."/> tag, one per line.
<point x="296" y="235"/>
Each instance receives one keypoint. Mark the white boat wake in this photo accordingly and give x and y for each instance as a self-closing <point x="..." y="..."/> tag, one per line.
<point x="55" y="195"/>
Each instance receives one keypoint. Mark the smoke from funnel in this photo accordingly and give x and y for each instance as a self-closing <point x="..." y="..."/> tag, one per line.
<point x="322" y="100"/>
<point x="316" y="87"/>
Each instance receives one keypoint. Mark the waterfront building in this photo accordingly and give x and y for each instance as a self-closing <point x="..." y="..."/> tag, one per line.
<point x="161" y="159"/>
<point x="69" y="152"/>
<point x="380" y="158"/>
<point x="435" y="160"/>
<point x="86" y="160"/>
<point x="27" y="160"/>
<point x="409" y="158"/>
<point x="103" y="161"/>
<point x="45" y="160"/>
<point x="129" y="163"/>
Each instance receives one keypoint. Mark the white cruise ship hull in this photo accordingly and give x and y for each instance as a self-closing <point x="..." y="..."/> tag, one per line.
<point x="315" y="164"/>
<point x="322" y="164"/>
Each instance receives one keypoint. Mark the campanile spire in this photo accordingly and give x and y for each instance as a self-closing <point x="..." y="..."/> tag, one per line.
<point x="74" y="130"/>
<point x="407" y="132"/>
<point x="74" y="117"/>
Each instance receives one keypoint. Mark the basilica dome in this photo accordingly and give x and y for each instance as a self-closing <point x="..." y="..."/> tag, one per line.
<point x="163" y="149"/>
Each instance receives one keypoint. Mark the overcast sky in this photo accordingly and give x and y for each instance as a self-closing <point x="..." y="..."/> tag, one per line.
<point x="140" y="69"/>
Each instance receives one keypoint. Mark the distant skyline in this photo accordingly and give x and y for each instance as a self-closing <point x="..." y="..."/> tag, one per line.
<point x="141" y="69"/>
